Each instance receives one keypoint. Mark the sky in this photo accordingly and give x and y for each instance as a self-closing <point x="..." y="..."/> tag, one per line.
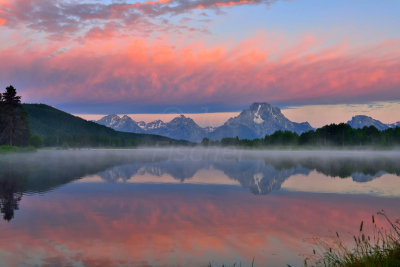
<point x="205" y="56"/>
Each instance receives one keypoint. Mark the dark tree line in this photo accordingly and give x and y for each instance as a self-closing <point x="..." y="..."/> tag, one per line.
<point x="330" y="135"/>
<point x="76" y="141"/>
<point x="14" y="128"/>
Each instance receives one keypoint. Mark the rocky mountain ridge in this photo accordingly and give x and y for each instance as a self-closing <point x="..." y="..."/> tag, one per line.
<point x="361" y="121"/>
<point x="257" y="121"/>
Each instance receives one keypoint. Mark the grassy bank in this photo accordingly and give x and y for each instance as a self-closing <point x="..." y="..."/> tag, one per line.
<point x="381" y="248"/>
<point x="13" y="149"/>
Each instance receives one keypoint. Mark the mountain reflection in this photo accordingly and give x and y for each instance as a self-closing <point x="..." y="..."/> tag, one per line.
<point x="260" y="172"/>
<point x="261" y="176"/>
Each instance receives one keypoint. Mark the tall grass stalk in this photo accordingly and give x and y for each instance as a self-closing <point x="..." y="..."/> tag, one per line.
<point x="380" y="248"/>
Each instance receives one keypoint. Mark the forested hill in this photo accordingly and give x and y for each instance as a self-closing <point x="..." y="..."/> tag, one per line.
<point x="55" y="125"/>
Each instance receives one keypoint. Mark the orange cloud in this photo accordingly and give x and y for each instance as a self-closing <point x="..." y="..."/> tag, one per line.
<point x="227" y="3"/>
<point x="234" y="3"/>
<point x="158" y="2"/>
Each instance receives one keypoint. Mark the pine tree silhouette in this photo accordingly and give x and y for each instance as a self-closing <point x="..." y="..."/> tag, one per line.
<point x="14" y="128"/>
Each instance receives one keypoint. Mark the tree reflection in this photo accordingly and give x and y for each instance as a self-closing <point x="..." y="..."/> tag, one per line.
<point x="9" y="200"/>
<point x="12" y="181"/>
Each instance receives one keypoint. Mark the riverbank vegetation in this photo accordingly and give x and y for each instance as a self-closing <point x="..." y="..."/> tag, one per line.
<point x="333" y="135"/>
<point x="12" y="149"/>
<point x="377" y="248"/>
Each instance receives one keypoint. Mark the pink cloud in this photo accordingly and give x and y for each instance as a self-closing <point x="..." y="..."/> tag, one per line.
<point x="126" y="70"/>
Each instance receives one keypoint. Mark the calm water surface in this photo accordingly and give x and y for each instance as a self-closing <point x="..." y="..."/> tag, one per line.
<point x="186" y="207"/>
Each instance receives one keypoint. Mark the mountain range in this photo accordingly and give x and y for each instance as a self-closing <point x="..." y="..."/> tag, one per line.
<point x="257" y="121"/>
<point x="361" y="121"/>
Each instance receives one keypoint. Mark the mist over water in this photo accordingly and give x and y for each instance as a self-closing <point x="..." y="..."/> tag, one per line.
<point x="186" y="206"/>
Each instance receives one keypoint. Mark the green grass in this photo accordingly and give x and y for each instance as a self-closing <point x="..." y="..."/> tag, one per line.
<point x="380" y="249"/>
<point x="12" y="149"/>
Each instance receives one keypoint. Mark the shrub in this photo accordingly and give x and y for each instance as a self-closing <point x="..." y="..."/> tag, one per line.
<point x="36" y="141"/>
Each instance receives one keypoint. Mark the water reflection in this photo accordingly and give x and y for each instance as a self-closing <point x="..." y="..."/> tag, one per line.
<point x="148" y="209"/>
<point x="10" y="196"/>
<point x="175" y="225"/>
<point x="260" y="172"/>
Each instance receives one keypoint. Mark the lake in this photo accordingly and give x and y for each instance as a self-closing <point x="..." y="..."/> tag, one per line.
<point x="187" y="206"/>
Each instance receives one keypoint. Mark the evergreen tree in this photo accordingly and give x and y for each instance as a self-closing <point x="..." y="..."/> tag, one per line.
<point x="2" y="125"/>
<point x="10" y="97"/>
<point x="205" y="141"/>
<point x="14" y="129"/>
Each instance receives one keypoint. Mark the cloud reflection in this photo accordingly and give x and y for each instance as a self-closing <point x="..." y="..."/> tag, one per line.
<point x="145" y="224"/>
<point x="176" y="226"/>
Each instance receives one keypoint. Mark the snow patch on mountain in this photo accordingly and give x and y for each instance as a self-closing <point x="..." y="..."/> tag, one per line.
<point x="155" y="125"/>
<point x="210" y="129"/>
<point x="257" y="117"/>
<point x="142" y="124"/>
